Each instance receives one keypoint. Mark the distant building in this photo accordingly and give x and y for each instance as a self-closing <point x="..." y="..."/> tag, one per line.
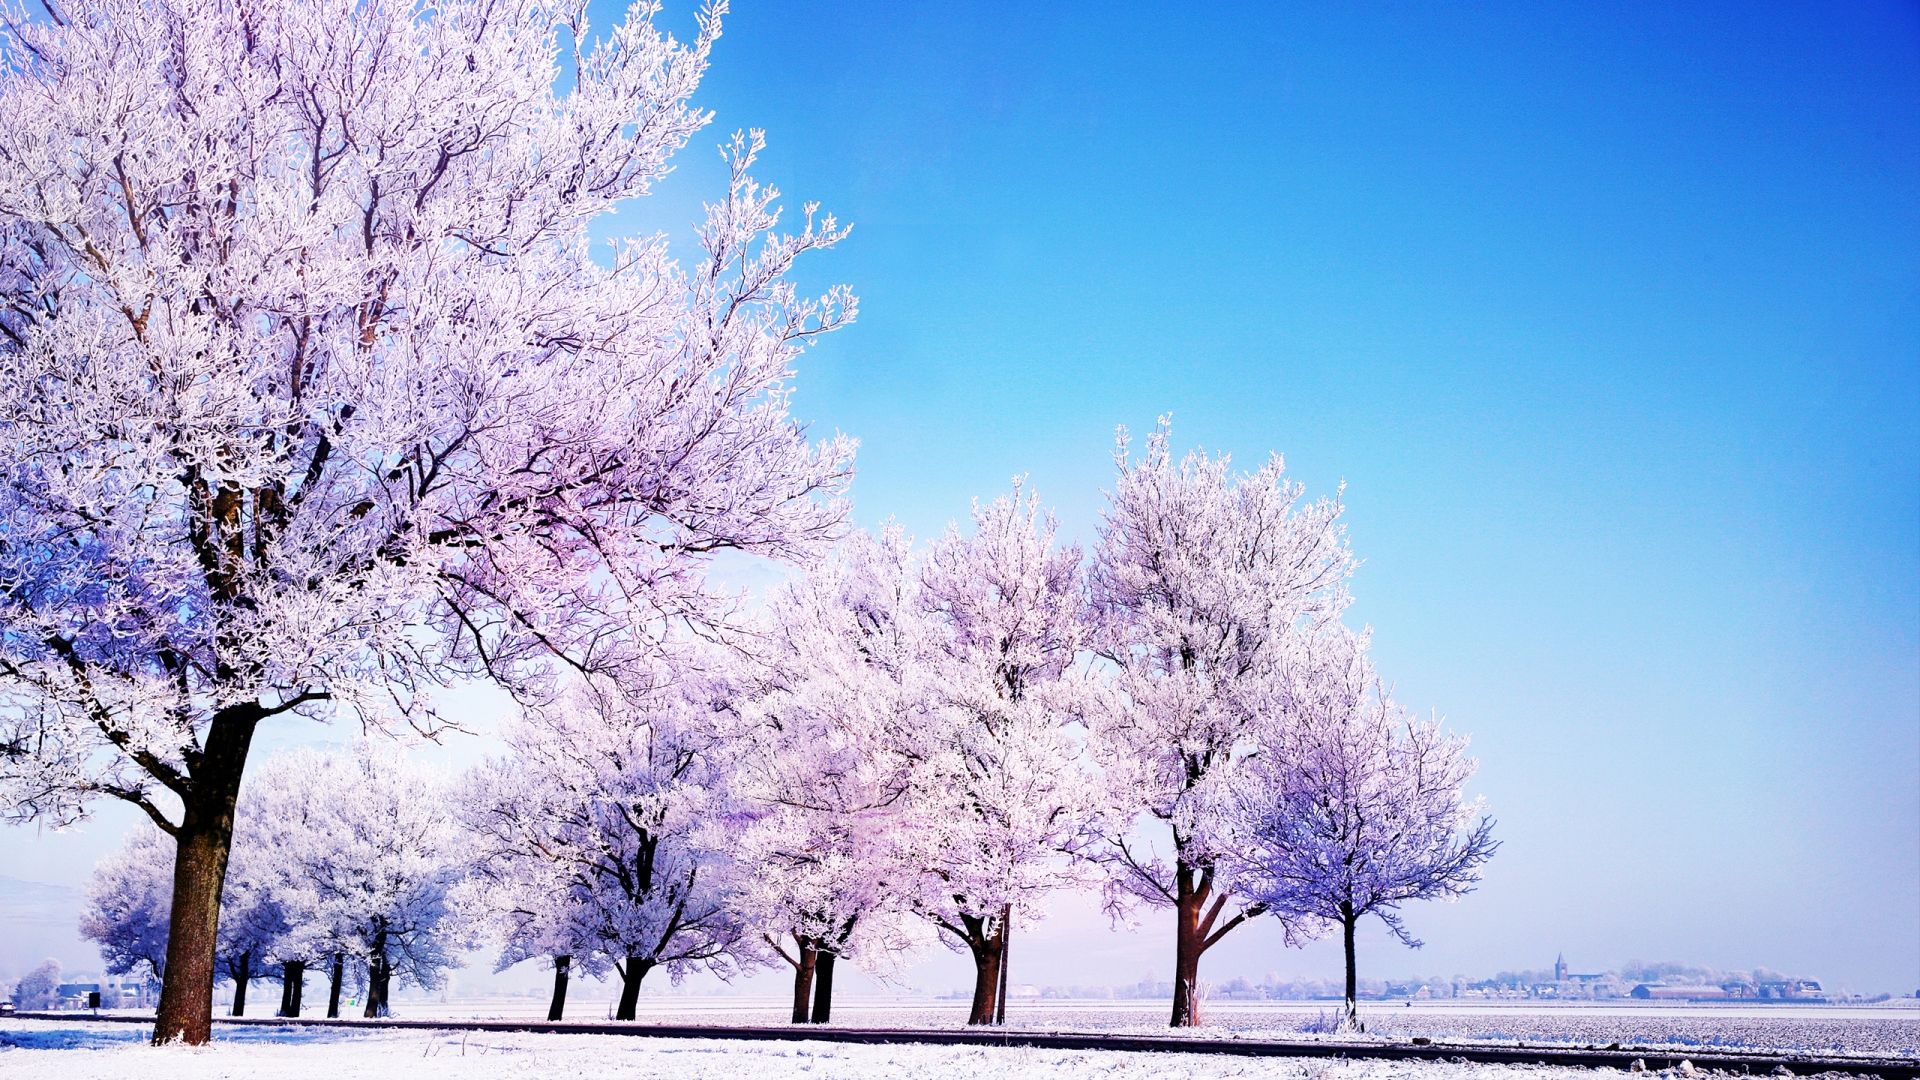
<point x="1790" y="990"/>
<point x="1571" y="984"/>
<point x="73" y="995"/>
<point x="1663" y="992"/>
<point x="1412" y="991"/>
<point x="1768" y="990"/>
<point x="116" y="992"/>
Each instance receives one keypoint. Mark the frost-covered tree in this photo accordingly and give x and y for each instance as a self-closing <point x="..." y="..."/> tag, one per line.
<point x="1357" y="808"/>
<point x="1000" y="792"/>
<point x="527" y="882"/>
<point x="1199" y="583"/>
<point x="253" y="919"/>
<point x="370" y="873"/>
<point x="314" y="396"/>
<point x="39" y="988"/>
<point x="131" y="895"/>
<point x="274" y="837"/>
<point x="128" y="900"/>
<point x="624" y="793"/>
<point x="827" y="869"/>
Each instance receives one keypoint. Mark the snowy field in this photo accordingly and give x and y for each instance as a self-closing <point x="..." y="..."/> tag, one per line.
<point x="42" y="1049"/>
<point x="1885" y="1029"/>
<point x="1889" y="1029"/>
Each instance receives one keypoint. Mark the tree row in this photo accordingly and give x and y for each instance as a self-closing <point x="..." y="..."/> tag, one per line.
<point x="898" y="744"/>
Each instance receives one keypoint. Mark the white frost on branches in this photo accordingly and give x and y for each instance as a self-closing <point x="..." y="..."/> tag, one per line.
<point x="312" y="391"/>
<point x="1200" y="584"/>
<point x="826" y="859"/>
<point x="609" y="828"/>
<point x="1358" y="809"/>
<point x="1002" y="793"/>
<point x="364" y="857"/>
<point x="128" y="900"/>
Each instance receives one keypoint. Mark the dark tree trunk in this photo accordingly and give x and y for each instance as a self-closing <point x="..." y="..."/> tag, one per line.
<point x="1350" y="1022"/>
<point x="1006" y="939"/>
<point x="631" y="973"/>
<point x="806" y="955"/>
<point x="1188" y="944"/>
<point x="379" y="975"/>
<point x="379" y="983"/>
<point x="823" y="987"/>
<point x="242" y="971"/>
<point x="559" y="1004"/>
<point x="333" y="995"/>
<point x="986" y="983"/>
<point x="986" y="969"/>
<point x="293" y="985"/>
<point x="202" y="844"/>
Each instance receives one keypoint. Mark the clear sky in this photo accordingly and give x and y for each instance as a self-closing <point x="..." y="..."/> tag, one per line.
<point x="1607" y="315"/>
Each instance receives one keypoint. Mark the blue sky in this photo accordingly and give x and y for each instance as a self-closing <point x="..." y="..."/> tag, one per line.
<point x="1607" y="315"/>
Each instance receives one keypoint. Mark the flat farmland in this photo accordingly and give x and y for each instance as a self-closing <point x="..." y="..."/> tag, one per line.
<point x="1891" y="1028"/>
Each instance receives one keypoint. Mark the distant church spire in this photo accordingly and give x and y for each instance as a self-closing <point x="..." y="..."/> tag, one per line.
<point x="1560" y="968"/>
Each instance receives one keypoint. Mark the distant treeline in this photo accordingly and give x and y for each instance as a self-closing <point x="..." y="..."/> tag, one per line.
<point x="1274" y="988"/>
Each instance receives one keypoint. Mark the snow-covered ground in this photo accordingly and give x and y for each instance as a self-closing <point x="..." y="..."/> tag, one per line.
<point x="1885" y="1029"/>
<point x="81" y="1051"/>
<point x="1889" y="1029"/>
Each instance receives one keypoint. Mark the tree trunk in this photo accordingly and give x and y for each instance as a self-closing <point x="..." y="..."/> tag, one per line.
<point x="379" y="982"/>
<point x="805" y="957"/>
<point x="1006" y="937"/>
<point x="201" y="846"/>
<point x="293" y="985"/>
<point x="379" y="975"/>
<point x="185" y="1013"/>
<point x="1188" y="944"/>
<point x="986" y="979"/>
<point x="242" y="973"/>
<point x="631" y="973"/>
<point x="823" y="987"/>
<point x="1351" y="1021"/>
<point x="333" y="996"/>
<point x="559" y="1004"/>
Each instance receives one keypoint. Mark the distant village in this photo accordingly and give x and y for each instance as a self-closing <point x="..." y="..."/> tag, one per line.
<point x="1635" y="981"/>
<point x="1667" y="982"/>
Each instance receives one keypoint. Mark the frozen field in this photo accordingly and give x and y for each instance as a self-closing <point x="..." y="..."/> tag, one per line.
<point x="41" y="1049"/>
<point x="1876" y="1030"/>
<point x="1889" y="1029"/>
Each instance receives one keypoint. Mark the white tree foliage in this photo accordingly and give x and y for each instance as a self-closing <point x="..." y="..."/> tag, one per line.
<point x="527" y="889"/>
<point x="1357" y="808"/>
<point x="130" y="897"/>
<point x="39" y="988"/>
<point x="827" y="867"/>
<point x="364" y="849"/>
<point x="253" y="915"/>
<point x="1001" y="791"/>
<point x="314" y="394"/>
<point x="612" y="822"/>
<point x="312" y="390"/>
<point x="1200" y="583"/>
<point x="315" y="397"/>
<point x="128" y="900"/>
